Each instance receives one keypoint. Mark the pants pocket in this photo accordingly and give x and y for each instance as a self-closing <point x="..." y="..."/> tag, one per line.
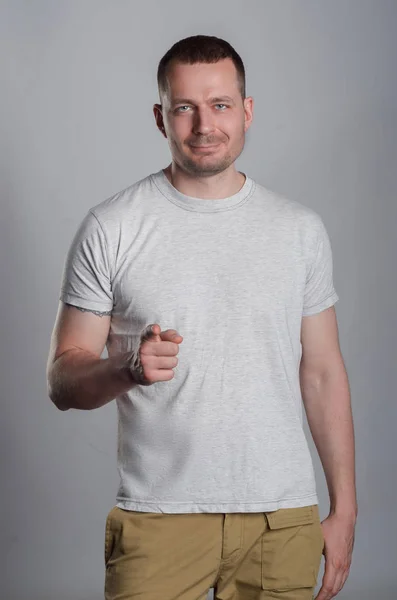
<point x="291" y="548"/>
<point x="108" y="546"/>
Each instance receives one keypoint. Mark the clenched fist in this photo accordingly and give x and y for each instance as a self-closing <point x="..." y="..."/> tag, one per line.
<point x="155" y="357"/>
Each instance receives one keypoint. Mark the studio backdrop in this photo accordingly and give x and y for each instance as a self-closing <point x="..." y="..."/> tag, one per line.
<point x="78" y="82"/>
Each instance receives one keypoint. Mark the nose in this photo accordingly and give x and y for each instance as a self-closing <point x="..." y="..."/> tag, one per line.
<point x="203" y="122"/>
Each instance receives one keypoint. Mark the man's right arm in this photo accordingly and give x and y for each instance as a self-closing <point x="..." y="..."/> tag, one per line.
<point x="77" y="376"/>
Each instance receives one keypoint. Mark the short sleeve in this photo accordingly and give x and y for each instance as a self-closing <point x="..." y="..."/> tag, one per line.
<point x="319" y="289"/>
<point x="86" y="281"/>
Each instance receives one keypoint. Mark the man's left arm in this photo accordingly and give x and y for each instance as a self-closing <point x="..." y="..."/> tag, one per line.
<point x="326" y="398"/>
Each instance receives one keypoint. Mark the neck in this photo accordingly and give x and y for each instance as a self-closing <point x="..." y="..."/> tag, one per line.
<point x="222" y="185"/>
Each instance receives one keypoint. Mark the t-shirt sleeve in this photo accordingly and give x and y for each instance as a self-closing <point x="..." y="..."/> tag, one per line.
<point x="319" y="290"/>
<point x="86" y="280"/>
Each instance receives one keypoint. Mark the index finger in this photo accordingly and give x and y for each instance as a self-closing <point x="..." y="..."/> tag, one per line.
<point x="161" y="348"/>
<point x="325" y="592"/>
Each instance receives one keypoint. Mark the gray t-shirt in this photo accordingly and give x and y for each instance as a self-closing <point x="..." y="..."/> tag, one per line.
<point x="234" y="277"/>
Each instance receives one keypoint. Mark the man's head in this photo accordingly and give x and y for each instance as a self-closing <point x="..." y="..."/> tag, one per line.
<point x="201" y="82"/>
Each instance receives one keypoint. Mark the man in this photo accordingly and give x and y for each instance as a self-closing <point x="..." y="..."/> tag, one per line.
<point x="216" y="480"/>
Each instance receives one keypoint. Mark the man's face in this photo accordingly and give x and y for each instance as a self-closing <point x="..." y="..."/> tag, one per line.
<point x="203" y="107"/>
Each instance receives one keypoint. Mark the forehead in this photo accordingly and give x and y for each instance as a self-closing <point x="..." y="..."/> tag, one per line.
<point x="202" y="80"/>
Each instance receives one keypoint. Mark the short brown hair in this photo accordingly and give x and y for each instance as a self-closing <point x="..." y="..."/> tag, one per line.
<point x="200" y="49"/>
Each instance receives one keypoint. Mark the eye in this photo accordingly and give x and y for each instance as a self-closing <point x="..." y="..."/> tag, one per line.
<point x="179" y="108"/>
<point x="221" y="105"/>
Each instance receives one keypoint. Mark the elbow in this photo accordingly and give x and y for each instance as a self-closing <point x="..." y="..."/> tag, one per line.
<point x="55" y="396"/>
<point x="61" y="407"/>
<point x="57" y="401"/>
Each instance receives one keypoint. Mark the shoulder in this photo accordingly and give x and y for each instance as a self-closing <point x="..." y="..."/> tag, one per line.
<point x="295" y="214"/>
<point x="122" y="204"/>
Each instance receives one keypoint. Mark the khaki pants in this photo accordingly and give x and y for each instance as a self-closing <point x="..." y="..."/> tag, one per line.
<point x="243" y="556"/>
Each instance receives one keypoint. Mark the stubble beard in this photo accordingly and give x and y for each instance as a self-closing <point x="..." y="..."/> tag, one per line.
<point x="201" y="169"/>
<point x="212" y="167"/>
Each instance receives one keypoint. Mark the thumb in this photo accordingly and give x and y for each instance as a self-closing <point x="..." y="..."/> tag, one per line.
<point x="151" y="332"/>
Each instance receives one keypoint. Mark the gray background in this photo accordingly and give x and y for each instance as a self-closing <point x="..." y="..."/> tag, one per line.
<point x="78" y="82"/>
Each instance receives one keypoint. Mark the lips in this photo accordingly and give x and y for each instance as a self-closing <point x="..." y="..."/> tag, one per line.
<point x="205" y="147"/>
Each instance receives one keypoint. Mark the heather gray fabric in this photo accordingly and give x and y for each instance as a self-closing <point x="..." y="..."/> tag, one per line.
<point x="234" y="277"/>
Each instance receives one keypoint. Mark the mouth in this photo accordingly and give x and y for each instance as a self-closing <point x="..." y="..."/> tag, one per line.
<point x="205" y="147"/>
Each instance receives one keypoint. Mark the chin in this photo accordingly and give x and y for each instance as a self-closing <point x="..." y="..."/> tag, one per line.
<point x="210" y="169"/>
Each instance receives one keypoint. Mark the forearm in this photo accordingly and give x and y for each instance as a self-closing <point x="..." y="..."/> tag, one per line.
<point x="326" y="398"/>
<point x="79" y="380"/>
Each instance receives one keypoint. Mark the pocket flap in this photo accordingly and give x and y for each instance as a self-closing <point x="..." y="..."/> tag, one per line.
<point x="290" y="517"/>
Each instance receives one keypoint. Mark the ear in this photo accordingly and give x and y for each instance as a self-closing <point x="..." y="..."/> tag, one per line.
<point x="158" y="115"/>
<point x="248" y="111"/>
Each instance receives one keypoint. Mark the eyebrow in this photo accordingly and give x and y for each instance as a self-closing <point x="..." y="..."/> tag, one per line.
<point x="215" y="99"/>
